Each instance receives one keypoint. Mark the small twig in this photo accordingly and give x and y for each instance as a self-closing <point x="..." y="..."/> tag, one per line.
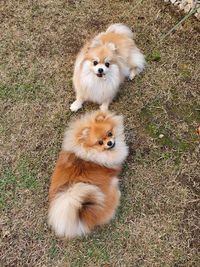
<point x="193" y="200"/>
<point x="138" y="3"/>
<point x="179" y="23"/>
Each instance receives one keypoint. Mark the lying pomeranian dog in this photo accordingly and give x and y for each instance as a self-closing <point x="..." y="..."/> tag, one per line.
<point x="102" y="65"/>
<point x="84" y="189"/>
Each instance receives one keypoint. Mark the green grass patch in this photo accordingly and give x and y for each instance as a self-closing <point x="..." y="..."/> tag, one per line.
<point x="154" y="56"/>
<point x="98" y="250"/>
<point x="14" y="180"/>
<point x="165" y="134"/>
<point x="23" y="92"/>
<point x="8" y="183"/>
<point x="92" y="252"/>
<point x="53" y="250"/>
<point x="155" y="131"/>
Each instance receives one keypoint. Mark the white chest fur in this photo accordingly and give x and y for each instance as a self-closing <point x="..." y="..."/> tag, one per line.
<point x="100" y="89"/>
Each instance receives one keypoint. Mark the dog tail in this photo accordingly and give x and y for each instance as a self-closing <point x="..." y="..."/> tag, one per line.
<point x="121" y="29"/>
<point x="67" y="209"/>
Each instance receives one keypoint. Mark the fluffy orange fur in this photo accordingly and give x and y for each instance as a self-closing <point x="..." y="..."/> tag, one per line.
<point x="69" y="170"/>
<point x="84" y="187"/>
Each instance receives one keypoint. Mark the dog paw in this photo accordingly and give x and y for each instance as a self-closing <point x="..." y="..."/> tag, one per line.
<point x="104" y="107"/>
<point x="131" y="75"/>
<point x="75" y="106"/>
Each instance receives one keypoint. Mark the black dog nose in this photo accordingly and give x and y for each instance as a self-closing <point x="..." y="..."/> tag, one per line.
<point x="109" y="143"/>
<point x="100" y="70"/>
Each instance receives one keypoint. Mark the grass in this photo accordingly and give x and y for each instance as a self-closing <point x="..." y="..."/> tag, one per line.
<point x="154" y="56"/>
<point x="179" y="23"/>
<point x="12" y="182"/>
<point x="157" y="222"/>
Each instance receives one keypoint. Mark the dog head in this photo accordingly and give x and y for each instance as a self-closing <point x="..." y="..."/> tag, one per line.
<point x="102" y="59"/>
<point x="97" y="137"/>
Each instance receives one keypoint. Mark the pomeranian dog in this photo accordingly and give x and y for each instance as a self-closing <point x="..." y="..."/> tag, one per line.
<point x="102" y="65"/>
<point x="84" y="189"/>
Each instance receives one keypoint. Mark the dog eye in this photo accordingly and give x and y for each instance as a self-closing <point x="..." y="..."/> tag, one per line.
<point x="95" y="63"/>
<point x="100" y="142"/>
<point x="107" y="64"/>
<point x="109" y="134"/>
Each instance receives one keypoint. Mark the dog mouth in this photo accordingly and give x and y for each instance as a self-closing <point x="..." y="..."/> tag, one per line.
<point x="100" y="75"/>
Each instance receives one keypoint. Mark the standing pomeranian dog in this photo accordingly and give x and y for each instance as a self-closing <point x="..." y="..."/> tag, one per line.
<point x="84" y="189"/>
<point x="102" y="65"/>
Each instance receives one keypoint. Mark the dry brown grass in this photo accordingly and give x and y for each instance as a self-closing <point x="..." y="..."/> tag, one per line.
<point x="158" y="220"/>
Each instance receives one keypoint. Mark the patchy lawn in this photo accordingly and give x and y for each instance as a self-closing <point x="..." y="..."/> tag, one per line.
<point x="157" y="223"/>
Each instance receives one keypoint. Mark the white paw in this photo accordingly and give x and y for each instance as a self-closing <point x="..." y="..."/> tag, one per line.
<point x="131" y="75"/>
<point x="76" y="105"/>
<point x="104" y="107"/>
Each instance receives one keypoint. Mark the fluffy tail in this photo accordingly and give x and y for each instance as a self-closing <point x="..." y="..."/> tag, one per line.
<point x="67" y="209"/>
<point x="121" y="29"/>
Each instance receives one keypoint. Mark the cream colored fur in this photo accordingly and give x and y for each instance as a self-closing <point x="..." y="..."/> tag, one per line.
<point x="128" y="62"/>
<point x="63" y="213"/>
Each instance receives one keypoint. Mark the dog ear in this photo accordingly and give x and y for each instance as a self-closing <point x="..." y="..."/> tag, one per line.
<point x="95" y="43"/>
<point x="100" y="117"/>
<point x="112" y="46"/>
<point x="118" y="119"/>
<point x="83" y="134"/>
